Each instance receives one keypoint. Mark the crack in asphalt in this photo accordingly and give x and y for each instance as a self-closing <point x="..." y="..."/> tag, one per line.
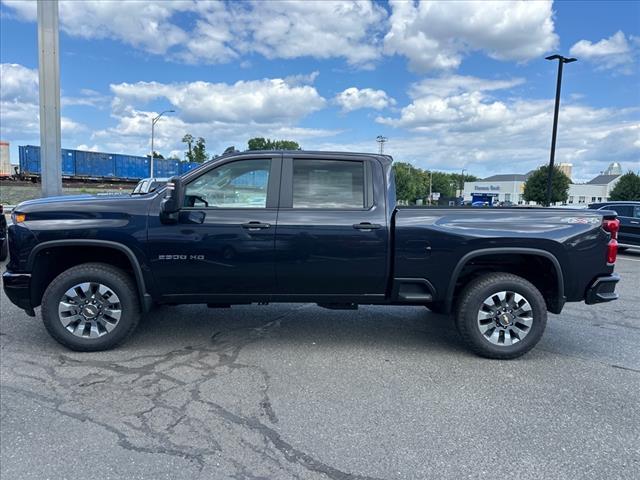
<point x="170" y="409"/>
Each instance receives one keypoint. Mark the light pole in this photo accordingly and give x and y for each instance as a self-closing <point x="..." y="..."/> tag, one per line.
<point x="561" y="61"/>
<point x="153" y="124"/>
<point x="381" y="141"/>
<point x="462" y="183"/>
<point x="49" y="75"/>
<point x="430" y="186"/>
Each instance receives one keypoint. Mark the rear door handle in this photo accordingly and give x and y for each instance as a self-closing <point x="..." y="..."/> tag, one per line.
<point x="634" y="222"/>
<point x="366" y="226"/>
<point x="256" y="225"/>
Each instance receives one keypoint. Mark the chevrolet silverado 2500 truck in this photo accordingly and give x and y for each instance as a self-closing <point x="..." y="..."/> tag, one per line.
<point x="299" y="226"/>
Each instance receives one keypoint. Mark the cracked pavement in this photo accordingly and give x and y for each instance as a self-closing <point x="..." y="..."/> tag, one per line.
<point x="298" y="392"/>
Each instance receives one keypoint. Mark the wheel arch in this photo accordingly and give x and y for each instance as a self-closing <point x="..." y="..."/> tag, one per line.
<point x="555" y="300"/>
<point x="124" y="252"/>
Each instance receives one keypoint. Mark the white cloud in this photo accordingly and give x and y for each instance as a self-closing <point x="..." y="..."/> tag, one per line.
<point x="612" y="52"/>
<point x="267" y="101"/>
<point x="223" y="31"/>
<point x="464" y="127"/>
<point x="355" y="98"/>
<point x="224" y="114"/>
<point x="146" y="25"/>
<point x="320" y="29"/>
<point x="19" y="104"/>
<point x="435" y="35"/>
<point x="18" y="83"/>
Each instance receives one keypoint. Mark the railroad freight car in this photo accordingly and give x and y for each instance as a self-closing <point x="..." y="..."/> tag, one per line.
<point x="85" y="165"/>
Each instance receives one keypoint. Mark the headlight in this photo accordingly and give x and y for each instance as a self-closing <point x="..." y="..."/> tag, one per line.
<point x="17" y="217"/>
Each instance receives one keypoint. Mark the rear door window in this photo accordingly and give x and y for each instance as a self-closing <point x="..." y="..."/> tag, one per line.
<point x="330" y="184"/>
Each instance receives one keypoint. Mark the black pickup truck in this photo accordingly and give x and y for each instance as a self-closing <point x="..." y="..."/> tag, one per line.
<point x="298" y="226"/>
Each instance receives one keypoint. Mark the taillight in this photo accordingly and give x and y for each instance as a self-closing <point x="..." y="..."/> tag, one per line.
<point x="612" y="226"/>
<point x="612" y="251"/>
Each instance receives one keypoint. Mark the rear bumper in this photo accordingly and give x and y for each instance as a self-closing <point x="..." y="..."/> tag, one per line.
<point x="602" y="289"/>
<point x="17" y="287"/>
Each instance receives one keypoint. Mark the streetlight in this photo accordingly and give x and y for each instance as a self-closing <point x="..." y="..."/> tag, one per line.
<point x="561" y="61"/>
<point x="462" y="183"/>
<point x="381" y="141"/>
<point x="153" y="124"/>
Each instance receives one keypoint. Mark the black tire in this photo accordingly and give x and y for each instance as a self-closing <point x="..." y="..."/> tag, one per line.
<point x="471" y="300"/>
<point x="115" y="279"/>
<point x="4" y="250"/>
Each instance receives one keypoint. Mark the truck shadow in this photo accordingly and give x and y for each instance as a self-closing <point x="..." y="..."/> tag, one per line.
<point x="291" y="325"/>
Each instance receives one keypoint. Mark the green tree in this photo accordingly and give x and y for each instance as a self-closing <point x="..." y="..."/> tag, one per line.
<point x="188" y="139"/>
<point x="156" y="155"/>
<point x="535" y="188"/>
<point x="408" y="182"/>
<point x="260" y="143"/>
<point x="627" y="188"/>
<point x="200" y="151"/>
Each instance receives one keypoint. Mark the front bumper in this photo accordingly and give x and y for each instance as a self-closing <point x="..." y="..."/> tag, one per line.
<point x="17" y="288"/>
<point x="602" y="289"/>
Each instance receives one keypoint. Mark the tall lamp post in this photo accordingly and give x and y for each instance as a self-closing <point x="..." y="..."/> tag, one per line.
<point x="153" y="125"/>
<point x="381" y="141"/>
<point x="561" y="61"/>
<point x="462" y="184"/>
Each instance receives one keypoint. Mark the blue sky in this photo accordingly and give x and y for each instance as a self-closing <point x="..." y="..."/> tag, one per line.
<point x="451" y="84"/>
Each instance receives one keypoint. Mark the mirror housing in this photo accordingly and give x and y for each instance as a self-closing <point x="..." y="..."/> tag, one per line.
<point x="172" y="201"/>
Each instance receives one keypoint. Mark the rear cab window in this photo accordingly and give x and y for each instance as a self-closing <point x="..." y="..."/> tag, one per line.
<point x="332" y="184"/>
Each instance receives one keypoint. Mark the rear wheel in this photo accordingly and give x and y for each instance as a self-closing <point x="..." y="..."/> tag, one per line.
<point x="501" y="315"/>
<point x="91" y="307"/>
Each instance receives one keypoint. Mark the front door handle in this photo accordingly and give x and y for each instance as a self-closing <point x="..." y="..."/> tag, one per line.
<point x="252" y="226"/>
<point x="366" y="226"/>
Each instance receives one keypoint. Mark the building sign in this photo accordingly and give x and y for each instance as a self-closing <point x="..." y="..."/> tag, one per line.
<point x="487" y="188"/>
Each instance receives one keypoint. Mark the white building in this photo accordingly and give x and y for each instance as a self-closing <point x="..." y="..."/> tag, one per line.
<point x="510" y="188"/>
<point x="497" y="188"/>
<point x="596" y="190"/>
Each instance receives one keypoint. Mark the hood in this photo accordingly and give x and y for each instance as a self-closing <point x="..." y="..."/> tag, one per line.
<point x="85" y="204"/>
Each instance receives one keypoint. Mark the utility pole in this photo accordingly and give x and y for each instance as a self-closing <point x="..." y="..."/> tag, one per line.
<point x="153" y="125"/>
<point x="430" y="186"/>
<point x="49" y="82"/>
<point x="381" y="141"/>
<point x="462" y="183"/>
<point x="561" y="61"/>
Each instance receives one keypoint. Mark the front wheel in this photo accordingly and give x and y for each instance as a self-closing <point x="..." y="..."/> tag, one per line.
<point x="91" y="307"/>
<point x="501" y="315"/>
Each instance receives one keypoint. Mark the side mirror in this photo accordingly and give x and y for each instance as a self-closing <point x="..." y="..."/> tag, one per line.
<point x="172" y="202"/>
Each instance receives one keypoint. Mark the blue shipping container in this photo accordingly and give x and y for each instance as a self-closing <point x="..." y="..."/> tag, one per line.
<point x="29" y="159"/>
<point x="95" y="164"/>
<point x="131" y="167"/>
<point x="79" y="163"/>
<point x="68" y="162"/>
<point x="165" y="167"/>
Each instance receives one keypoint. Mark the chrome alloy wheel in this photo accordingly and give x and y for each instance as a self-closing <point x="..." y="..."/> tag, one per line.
<point x="89" y="310"/>
<point x="505" y="318"/>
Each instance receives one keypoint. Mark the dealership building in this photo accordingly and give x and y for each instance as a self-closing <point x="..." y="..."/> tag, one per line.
<point x="510" y="187"/>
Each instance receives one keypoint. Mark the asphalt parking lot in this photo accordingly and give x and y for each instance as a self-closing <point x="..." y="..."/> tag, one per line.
<point x="297" y="392"/>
